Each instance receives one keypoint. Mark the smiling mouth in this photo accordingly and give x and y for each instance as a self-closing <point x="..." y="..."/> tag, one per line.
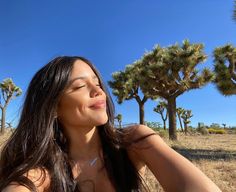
<point x="100" y="105"/>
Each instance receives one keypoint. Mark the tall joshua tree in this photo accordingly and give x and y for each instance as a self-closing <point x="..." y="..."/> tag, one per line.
<point x="179" y="112"/>
<point x="8" y="92"/>
<point x="186" y="115"/>
<point x="169" y="72"/>
<point x="119" y="119"/>
<point x="161" y="108"/>
<point x="225" y="69"/>
<point x="224" y="125"/>
<point x="126" y="85"/>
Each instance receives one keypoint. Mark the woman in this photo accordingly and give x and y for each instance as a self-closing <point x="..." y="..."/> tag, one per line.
<point x="65" y="141"/>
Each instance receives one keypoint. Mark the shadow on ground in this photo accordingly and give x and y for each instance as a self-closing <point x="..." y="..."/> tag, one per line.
<point x="199" y="154"/>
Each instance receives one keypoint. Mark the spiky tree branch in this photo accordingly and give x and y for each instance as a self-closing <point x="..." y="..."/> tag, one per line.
<point x="126" y="85"/>
<point x="171" y="71"/>
<point x="225" y="69"/>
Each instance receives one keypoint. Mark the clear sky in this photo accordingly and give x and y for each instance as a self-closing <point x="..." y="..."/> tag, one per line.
<point x="113" y="34"/>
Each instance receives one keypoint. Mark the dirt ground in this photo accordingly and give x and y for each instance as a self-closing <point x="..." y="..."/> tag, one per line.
<point x="215" y="155"/>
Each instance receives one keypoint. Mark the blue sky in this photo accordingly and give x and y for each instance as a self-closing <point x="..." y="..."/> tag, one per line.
<point x="113" y="34"/>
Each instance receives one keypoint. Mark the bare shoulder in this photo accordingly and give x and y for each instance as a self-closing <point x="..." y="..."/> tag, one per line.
<point x="142" y="130"/>
<point x="14" y="187"/>
<point x="141" y="138"/>
<point x="138" y="130"/>
<point x="145" y="143"/>
<point x="141" y="134"/>
<point x="39" y="177"/>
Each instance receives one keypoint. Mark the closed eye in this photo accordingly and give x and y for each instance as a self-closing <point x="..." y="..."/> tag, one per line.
<point x="84" y="86"/>
<point x="79" y="87"/>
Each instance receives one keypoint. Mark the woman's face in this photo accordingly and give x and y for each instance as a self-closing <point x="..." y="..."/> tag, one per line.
<point x="83" y="103"/>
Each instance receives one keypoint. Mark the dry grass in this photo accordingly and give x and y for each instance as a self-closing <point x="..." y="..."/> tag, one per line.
<point x="3" y="138"/>
<point x="215" y="155"/>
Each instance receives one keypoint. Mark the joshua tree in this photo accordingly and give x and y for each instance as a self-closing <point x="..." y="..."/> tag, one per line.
<point x="224" y="125"/>
<point x="160" y="108"/>
<point x="225" y="69"/>
<point x="179" y="112"/>
<point x="186" y="115"/>
<point x="8" y="92"/>
<point x="169" y="72"/>
<point x="119" y="119"/>
<point x="126" y="86"/>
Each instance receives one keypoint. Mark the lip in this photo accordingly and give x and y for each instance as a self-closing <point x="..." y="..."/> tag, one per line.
<point x="99" y="104"/>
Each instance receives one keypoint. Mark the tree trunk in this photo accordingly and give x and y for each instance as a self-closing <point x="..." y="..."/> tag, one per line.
<point x="120" y="124"/>
<point x="172" y="118"/>
<point x="3" y="121"/>
<point x="180" y="122"/>
<point x="164" y="122"/>
<point x="185" y="128"/>
<point x="141" y="113"/>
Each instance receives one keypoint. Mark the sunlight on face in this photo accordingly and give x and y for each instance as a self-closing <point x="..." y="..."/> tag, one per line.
<point x="84" y="103"/>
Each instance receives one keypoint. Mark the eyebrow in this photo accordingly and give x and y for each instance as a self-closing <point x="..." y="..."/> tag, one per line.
<point x="82" y="77"/>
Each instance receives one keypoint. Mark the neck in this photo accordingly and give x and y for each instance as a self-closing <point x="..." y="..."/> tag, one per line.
<point x="84" y="143"/>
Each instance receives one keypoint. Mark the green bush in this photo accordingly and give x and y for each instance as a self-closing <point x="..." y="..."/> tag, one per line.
<point x="216" y="131"/>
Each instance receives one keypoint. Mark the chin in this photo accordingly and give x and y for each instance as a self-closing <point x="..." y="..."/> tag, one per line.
<point x="102" y="121"/>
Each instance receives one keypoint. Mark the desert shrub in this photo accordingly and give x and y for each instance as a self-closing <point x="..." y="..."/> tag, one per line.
<point x="153" y="125"/>
<point x="216" y="131"/>
<point x="163" y="133"/>
<point x="157" y="128"/>
<point x="231" y="130"/>
<point x="202" y="130"/>
<point x="192" y="130"/>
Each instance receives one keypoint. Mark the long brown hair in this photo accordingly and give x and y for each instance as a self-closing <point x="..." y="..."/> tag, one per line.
<point x="38" y="141"/>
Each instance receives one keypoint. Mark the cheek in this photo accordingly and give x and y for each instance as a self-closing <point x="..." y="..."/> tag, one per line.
<point x="70" y="106"/>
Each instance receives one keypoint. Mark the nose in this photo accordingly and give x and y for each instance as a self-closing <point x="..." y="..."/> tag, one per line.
<point x="96" y="91"/>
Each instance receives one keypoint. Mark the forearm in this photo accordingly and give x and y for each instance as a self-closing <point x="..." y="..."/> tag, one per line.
<point x="174" y="172"/>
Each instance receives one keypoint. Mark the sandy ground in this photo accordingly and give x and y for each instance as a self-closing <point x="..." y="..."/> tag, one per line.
<point x="215" y="155"/>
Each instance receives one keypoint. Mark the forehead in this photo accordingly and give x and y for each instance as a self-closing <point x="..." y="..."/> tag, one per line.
<point x="81" y="69"/>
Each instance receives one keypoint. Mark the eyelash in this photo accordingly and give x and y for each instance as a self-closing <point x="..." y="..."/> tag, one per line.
<point x="84" y="86"/>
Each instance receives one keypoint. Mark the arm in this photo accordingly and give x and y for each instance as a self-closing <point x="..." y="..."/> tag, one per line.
<point x="172" y="170"/>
